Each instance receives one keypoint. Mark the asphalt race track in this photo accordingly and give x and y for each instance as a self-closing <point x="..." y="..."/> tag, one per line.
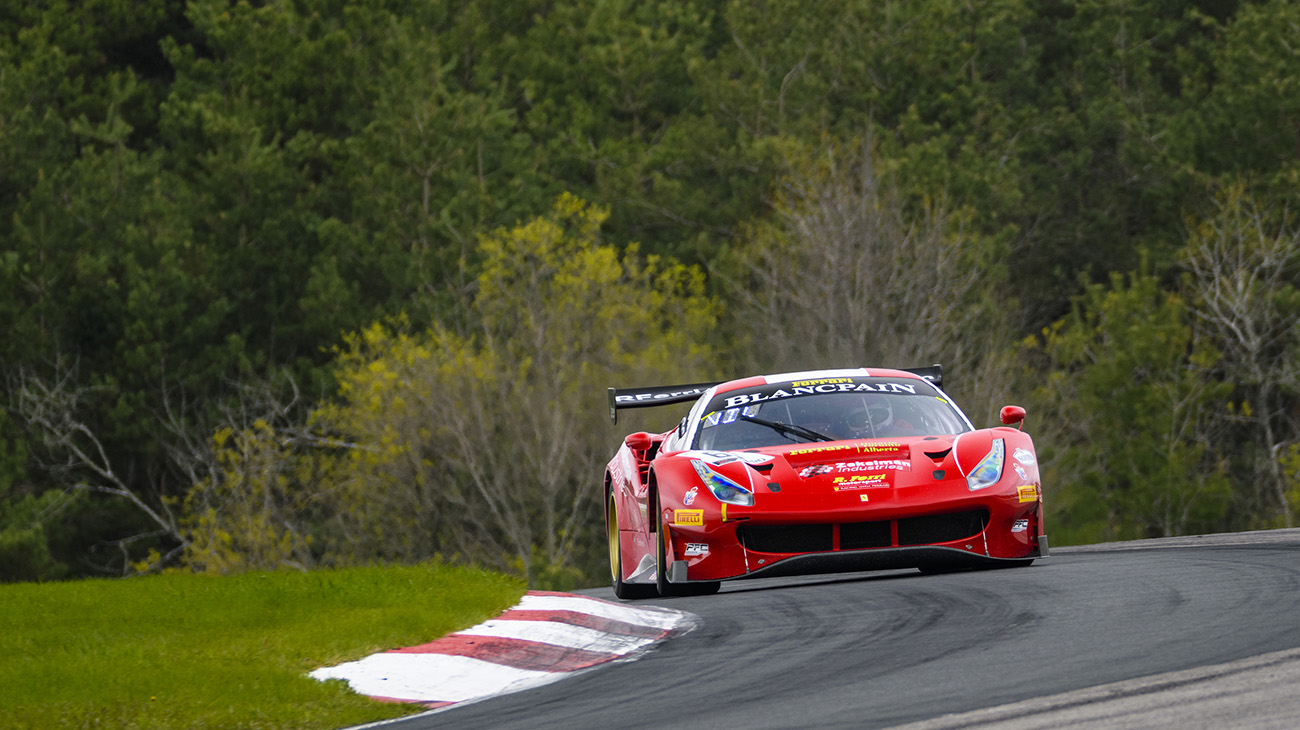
<point x="879" y="650"/>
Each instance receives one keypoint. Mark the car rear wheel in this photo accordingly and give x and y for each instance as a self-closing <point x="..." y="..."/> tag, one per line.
<point x="702" y="588"/>
<point x="626" y="591"/>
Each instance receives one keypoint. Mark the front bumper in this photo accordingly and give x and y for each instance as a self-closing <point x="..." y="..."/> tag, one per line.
<point x="983" y="530"/>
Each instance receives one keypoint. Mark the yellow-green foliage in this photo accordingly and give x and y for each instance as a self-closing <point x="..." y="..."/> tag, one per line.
<point x="485" y="445"/>
<point x="1291" y="466"/>
<point x="249" y="513"/>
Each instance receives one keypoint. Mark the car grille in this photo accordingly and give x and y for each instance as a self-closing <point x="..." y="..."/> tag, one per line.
<point x="941" y="528"/>
<point x="787" y="538"/>
<point x="859" y="535"/>
<point x="912" y="531"/>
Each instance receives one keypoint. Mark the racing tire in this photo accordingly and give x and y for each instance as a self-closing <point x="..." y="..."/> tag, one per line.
<point x="625" y="591"/>
<point x="700" y="588"/>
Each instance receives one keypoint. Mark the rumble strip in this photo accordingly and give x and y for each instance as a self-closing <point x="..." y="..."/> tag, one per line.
<point x="541" y="640"/>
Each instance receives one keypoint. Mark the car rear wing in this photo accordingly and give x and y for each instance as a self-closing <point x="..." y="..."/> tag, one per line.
<point x="662" y="395"/>
<point x="934" y="374"/>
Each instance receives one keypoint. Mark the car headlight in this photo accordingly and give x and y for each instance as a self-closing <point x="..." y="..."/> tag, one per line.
<point x="721" y="487"/>
<point x="989" y="470"/>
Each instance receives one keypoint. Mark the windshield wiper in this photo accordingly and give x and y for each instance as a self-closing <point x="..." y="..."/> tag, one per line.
<point x="788" y="429"/>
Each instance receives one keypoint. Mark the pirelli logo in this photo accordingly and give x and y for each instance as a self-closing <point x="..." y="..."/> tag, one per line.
<point x="1027" y="493"/>
<point x="688" y="517"/>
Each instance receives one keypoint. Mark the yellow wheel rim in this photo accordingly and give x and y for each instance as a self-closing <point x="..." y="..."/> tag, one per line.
<point x="611" y="532"/>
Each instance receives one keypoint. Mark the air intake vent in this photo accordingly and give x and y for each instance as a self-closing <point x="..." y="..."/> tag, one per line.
<point x="861" y="535"/>
<point x="941" y="528"/>
<point x="786" y="538"/>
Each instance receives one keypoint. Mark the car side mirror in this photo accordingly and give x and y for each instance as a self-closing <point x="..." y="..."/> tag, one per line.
<point x="639" y="441"/>
<point x="1012" y="415"/>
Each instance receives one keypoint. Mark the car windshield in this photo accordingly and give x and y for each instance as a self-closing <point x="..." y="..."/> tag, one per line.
<point x="826" y="409"/>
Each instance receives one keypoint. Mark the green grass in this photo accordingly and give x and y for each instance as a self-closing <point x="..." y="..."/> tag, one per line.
<point x="188" y="651"/>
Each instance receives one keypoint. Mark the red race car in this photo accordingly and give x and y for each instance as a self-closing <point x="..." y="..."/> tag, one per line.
<point x="816" y="472"/>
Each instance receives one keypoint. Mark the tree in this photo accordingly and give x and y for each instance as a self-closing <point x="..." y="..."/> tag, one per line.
<point x="486" y="447"/>
<point x="849" y="275"/>
<point x="1244" y="262"/>
<point x="54" y="413"/>
<point x="1134" y="449"/>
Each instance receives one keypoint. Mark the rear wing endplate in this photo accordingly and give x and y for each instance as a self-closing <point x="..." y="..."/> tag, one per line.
<point x="934" y="374"/>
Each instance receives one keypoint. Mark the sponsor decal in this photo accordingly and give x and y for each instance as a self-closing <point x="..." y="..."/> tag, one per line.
<point x="875" y="465"/>
<point x="823" y="381"/>
<point x="851" y="467"/>
<point x="689" y="497"/>
<point x="1020" y="470"/>
<point x="863" y="498"/>
<point x="859" y="478"/>
<point x="718" y="458"/>
<point x="696" y="548"/>
<point x="859" y="481"/>
<point x="1027" y="493"/>
<point x="640" y="397"/>
<point x="862" y="447"/>
<point x="1025" y="456"/>
<point x="688" y="517"/>
<point x="712" y="419"/>
<point x="730" y="415"/>
<point x="1018" y="526"/>
<point x="801" y="390"/>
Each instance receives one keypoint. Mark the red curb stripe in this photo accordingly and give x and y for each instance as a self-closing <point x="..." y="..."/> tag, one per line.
<point x="516" y="653"/>
<point x="585" y="620"/>
<point x="562" y="594"/>
<point x="400" y="701"/>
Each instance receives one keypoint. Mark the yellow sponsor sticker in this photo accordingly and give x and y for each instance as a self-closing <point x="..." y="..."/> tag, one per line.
<point x="859" y="478"/>
<point x="688" y="517"/>
<point x="822" y="381"/>
<point x="861" y="447"/>
<point x="859" y="481"/>
<point x="1027" y="493"/>
<point x="863" y="497"/>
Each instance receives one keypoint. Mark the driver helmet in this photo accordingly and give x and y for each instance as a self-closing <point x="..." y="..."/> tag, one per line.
<point x="880" y="411"/>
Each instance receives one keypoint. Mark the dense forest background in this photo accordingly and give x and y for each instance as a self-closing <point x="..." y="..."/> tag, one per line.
<point x="302" y="283"/>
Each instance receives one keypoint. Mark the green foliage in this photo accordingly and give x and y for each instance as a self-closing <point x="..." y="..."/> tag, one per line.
<point x="1137" y="454"/>
<point x="25" y="553"/>
<point x="1291" y="467"/>
<point x="195" y="195"/>
<point x="1243" y="113"/>
<point x="187" y="651"/>
<point x="474" y="445"/>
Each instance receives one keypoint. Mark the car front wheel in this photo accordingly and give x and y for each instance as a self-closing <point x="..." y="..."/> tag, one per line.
<point x="626" y="591"/>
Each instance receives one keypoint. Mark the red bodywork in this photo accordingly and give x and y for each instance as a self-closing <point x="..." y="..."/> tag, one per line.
<point x="826" y="506"/>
